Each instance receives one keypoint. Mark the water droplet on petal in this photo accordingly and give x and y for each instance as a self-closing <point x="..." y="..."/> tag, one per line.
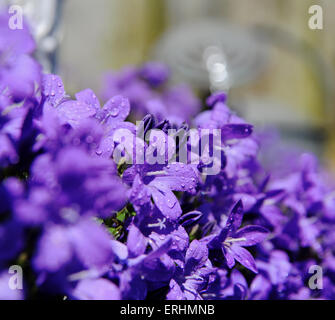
<point x="171" y="203"/>
<point x="114" y="112"/>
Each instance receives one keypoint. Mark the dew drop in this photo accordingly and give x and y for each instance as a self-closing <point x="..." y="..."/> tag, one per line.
<point x="114" y="112"/>
<point x="170" y="203"/>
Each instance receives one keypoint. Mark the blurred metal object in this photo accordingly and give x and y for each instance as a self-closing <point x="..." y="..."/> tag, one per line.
<point x="217" y="68"/>
<point x="213" y="54"/>
<point x="44" y="21"/>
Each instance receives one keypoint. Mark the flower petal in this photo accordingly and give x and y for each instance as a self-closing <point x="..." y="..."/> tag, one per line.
<point x="243" y="256"/>
<point x="72" y="112"/>
<point x="96" y="289"/>
<point x="190" y="218"/>
<point x="92" y="243"/>
<point x="115" y="110"/>
<point x="215" y="98"/>
<point x="179" y="177"/>
<point x="89" y="97"/>
<point x="196" y="256"/>
<point x="136" y="241"/>
<point x="252" y="235"/>
<point x="233" y="222"/>
<point x="53" y="89"/>
<point x="236" y="131"/>
<point x="54" y="249"/>
<point x="165" y="201"/>
<point x="175" y="292"/>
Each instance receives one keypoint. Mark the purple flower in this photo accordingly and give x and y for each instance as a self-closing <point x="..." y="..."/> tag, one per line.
<point x="73" y="182"/>
<point x="96" y="289"/>
<point x="136" y="273"/>
<point x="86" y="241"/>
<point x="158" y="182"/>
<point x="141" y="86"/>
<point x="193" y="275"/>
<point x="233" y="240"/>
<point x="18" y="71"/>
<point x="236" y="288"/>
<point x="213" y="99"/>
<point x="155" y="73"/>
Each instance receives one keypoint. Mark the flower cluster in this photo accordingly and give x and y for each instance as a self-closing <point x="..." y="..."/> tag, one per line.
<point x="83" y="226"/>
<point x="148" y="92"/>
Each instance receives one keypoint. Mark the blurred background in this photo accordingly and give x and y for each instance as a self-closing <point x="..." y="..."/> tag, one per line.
<point x="277" y="70"/>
